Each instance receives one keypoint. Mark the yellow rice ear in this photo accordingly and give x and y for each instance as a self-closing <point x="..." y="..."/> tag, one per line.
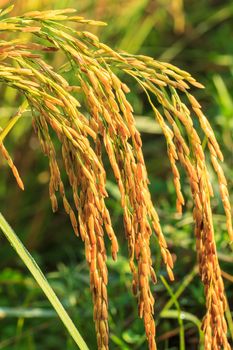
<point x="109" y="120"/>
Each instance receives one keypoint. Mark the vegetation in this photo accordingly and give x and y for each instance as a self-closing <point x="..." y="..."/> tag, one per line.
<point x="81" y="109"/>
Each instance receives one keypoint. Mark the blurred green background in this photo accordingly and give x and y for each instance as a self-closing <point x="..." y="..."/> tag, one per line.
<point x="197" y="37"/>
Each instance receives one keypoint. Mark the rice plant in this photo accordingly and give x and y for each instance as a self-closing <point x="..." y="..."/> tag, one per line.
<point x="93" y="117"/>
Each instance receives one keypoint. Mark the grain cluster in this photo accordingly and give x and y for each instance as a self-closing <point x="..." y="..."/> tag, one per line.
<point x="94" y="116"/>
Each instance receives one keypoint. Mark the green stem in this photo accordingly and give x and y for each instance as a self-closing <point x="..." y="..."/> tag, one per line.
<point x="180" y="319"/>
<point x="187" y="317"/>
<point x="182" y="287"/>
<point x="41" y="280"/>
<point x="13" y="120"/>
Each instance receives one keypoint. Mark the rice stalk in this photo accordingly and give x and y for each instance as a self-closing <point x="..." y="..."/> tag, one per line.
<point x="105" y="119"/>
